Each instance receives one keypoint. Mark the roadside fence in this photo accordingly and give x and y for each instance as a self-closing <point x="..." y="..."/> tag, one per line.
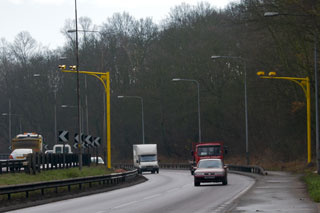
<point x="36" y="162"/>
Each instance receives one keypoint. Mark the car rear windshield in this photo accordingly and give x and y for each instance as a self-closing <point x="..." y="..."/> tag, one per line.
<point x="210" y="164"/>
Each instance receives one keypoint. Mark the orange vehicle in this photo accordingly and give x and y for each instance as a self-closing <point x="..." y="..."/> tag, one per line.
<point x="206" y="150"/>
<point x="27" y="141"/>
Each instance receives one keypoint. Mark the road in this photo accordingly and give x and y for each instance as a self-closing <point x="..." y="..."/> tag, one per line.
<point x="168" y="191"/>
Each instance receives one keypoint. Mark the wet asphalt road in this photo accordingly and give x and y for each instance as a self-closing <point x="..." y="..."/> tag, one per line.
<point x="169" y="191"/>
<point x="173" y="191"/>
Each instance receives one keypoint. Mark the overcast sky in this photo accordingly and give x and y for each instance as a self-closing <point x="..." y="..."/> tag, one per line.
<point x="43" y="19"/>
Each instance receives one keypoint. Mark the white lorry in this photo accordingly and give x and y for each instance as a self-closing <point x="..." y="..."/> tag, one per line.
<point x="145" y="158"/>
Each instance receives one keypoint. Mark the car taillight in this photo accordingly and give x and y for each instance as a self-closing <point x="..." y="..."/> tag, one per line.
<point x="10" y="157"/>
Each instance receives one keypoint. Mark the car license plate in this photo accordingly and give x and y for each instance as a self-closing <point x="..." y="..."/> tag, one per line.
<point x="209" y="177"/>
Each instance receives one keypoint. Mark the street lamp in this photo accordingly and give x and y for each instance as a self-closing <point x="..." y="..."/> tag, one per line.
<point x="78" y="83"/>
<point x="304" y="83"/>
<point x="67" y="106"/>
<point x="81" y="114"/>
<point x="10" y="122"/>
<point x="245" y="99"/>
<point x="142" y="116"/>
<point x="55" y="110"/>
<point x="104" y="78"/>
<point x="89" y="31"/>
<point x="85" y="81"/>
<point x="199" y="120"/>
<point x="272" y="14"/>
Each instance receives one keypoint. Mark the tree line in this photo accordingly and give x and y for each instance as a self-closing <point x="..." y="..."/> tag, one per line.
<point x="143" y="57"/>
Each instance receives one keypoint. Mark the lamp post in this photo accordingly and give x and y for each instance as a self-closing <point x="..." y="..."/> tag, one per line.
<point x="198" y="86"/>
<point x="85" y="80"/>
<point x="272" y="14"/>
<point x="81" y="114"/>
<point x="245" y="100"/>
<point x="304" y="83"/>
<point x="68" y="106"/>
<point x="104" y="78"/>
<point x="55" y="110"/>
<point x="10" y="123"/>
<point x="78" y="83"/>
<point x="142" y="116"/>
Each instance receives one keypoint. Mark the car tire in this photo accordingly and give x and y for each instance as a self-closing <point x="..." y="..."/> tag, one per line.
<point x="196" y="183"/>
<point x="158" y="171"/>
<point x="225" y="181"/>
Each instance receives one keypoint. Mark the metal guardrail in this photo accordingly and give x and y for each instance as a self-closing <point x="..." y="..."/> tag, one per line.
<point x="37" y="162"/>
<point x="4" y="156"/>
<point x="161" y="165"/>
<point x="112" y="179"/>
<point x="11" y="165"/>
<point x="251" y="169"/>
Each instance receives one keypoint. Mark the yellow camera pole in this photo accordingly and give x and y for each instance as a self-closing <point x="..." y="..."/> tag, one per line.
<point x="304" y="83"/>
<point x="105" y="80"/>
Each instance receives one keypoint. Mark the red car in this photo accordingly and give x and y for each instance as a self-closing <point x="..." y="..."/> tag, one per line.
<point x="210" y="170"/>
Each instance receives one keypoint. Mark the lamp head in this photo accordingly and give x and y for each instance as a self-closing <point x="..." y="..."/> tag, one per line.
<point x="176" y="79"/>
<point x="260" y="73"/>
<point x="270" y="14"/>
<point x="215" y="56"/>
<point x="272" y="73"/>
<point x="73" y="67"/>
<point x="62" y="67"/>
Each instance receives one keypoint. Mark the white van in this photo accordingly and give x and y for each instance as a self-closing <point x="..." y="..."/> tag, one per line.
<point x="58" y="148"/>
<point x="145" y="158"/>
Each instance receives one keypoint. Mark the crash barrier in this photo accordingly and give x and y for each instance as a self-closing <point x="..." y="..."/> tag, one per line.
<point x="11" y="165"/>
<point x="112" y="179"/>
<point x="40" y="161"/>
<point x="251" y="169"/>
<point x="4" y="156"/>
<point x="174" y="166"/>
<point x="161" y="165"/>
<point x="36" y="162"/>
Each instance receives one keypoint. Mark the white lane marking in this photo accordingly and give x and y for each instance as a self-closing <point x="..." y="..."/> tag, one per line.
<point x="172" y="190"/>
<point x="125" y="204"/>
<point x="150" y="197"/>
<point x="222" y="207"/>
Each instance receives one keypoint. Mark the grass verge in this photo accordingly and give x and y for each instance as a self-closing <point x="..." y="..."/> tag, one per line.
<point x="313" y="185"/>
<point x="60" y="174"/>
